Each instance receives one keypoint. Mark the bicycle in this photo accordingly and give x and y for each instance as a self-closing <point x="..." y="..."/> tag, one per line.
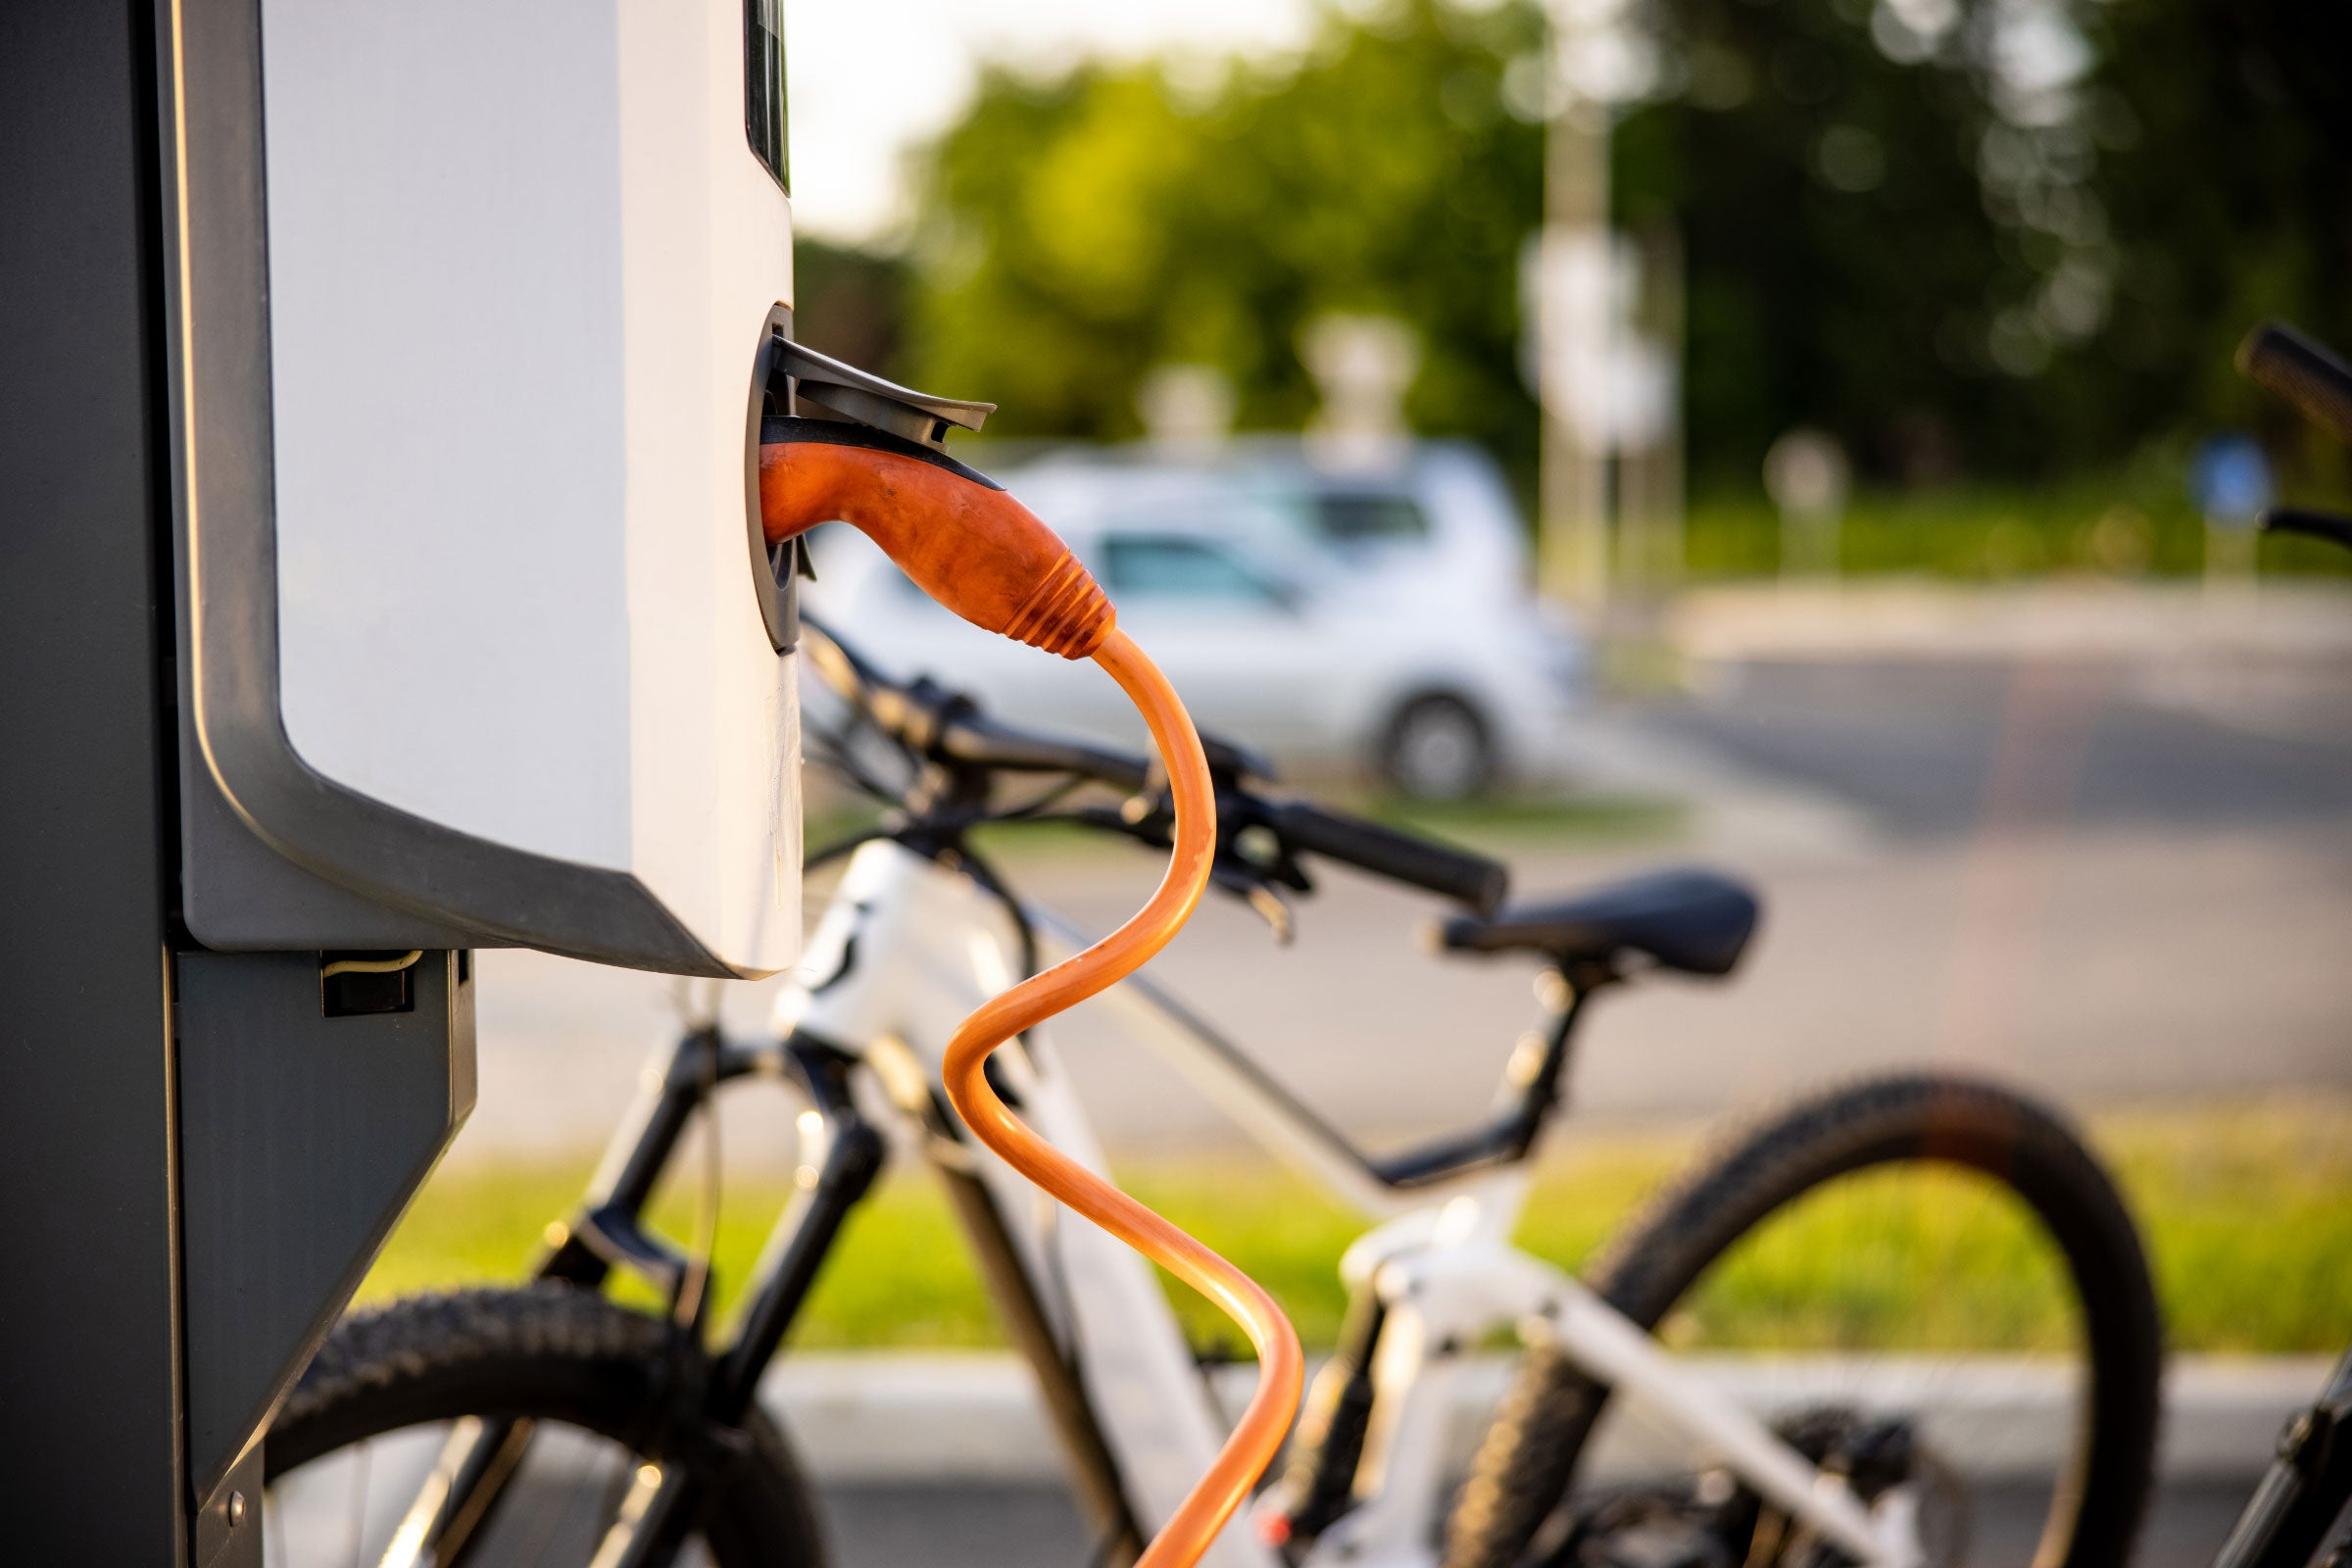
<point x="484" y="1409"/>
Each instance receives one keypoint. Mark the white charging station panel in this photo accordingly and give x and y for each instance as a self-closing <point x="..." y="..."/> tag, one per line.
<point x="476" y="297"/>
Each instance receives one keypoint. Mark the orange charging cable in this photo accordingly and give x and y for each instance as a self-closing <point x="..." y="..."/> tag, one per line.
<point x="1252" y="1448"/>
<point x="985" y="556"/>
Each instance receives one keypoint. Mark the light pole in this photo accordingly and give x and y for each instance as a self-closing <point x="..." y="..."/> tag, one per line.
<point x="1605" y="388"/>
<point x="1573" y="329"/>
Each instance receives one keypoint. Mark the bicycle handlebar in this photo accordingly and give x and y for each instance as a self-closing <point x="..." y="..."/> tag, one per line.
<point x="947" y="728"/>
<point x="985" y="742"/>
<point x="2278" y="357"/>
<point x="1468" y="879"/>
<point x="2310" y="524"/>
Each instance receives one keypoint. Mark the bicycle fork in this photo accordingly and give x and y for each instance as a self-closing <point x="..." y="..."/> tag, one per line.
<point x="841" y="1155"/>
<point x="2304" y="1490"/>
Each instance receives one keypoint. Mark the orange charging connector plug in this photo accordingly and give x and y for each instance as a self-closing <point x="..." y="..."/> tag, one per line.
<point x="982" y="553"/>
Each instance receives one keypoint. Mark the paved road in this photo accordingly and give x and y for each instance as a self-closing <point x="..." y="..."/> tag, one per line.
<point x="1950" y="747"/>
<point x="1038" y="1527"/>
<point x="2113" y="878"/>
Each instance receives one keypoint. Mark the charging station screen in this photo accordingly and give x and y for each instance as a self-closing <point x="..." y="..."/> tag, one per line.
<point x="763" y="85"/>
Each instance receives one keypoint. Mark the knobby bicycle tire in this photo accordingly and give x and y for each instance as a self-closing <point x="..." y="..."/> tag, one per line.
<point x="1527" y="1461"/>
<point x="549" y="1352"/>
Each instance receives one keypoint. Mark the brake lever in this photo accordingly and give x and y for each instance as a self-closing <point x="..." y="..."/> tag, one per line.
<point x="1253" y="864"/>
<point x="1145" y="819"/>
<point x="1257" y="893"/>
<point x="1245" y="839"/>
<point x="1233" y="765"/>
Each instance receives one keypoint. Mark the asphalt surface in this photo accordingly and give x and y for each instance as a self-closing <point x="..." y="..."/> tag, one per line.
<point x="1936" y="749"/>
<point x="1039" y="1526"/>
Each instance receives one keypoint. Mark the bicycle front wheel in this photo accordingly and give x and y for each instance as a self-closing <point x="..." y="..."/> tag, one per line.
<point x="1925" y="1280"/>
<point x="583" y="1386"/>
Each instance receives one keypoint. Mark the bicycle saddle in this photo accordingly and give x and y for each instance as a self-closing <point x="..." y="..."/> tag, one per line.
<point x="1688" y="919"/>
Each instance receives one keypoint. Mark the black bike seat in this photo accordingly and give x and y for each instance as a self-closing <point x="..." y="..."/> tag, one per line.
<point x="1688" y="919"/>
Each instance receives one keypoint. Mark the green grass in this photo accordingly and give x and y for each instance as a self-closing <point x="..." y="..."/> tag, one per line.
<point x="1906" y="1257"/>
<point x="2128" y="525"/>
<point x="1501" y="824"/>
<point x="2247" y="1211"/>
<point x="1517" y="822"/>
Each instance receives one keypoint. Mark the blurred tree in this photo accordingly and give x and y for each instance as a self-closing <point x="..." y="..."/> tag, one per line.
<point x="2009" y="238"/>
<point x="2224" y="135"/>
<point x="849" y="303"/>
<point x="1076" y="231"/>
<point x="1837" y="253"/>
<point x="2005" y="237"/>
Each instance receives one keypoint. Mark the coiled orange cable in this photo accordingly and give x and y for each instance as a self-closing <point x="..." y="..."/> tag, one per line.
<point x="1252" y="1448"/>
<point x="988" y="558"/>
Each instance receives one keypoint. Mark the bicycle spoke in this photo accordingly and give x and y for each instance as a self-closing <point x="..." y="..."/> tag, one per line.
<point x="552" y="1512"/>
<point x="359" y="1503"/>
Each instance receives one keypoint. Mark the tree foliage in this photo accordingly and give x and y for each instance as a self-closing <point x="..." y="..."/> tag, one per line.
<point x="1077" y="231"/>
<point x="2227" y="181"/>
<point x="1899" y="220"/>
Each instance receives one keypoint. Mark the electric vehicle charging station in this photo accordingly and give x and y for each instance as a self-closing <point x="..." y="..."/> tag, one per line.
<point x="385" y="581"/>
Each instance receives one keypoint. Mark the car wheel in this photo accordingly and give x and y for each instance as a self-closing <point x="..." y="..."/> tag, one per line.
<point x="1438" y="748"/>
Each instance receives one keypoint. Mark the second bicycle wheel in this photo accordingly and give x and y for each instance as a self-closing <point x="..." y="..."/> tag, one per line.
<point x="1923" y="1281"/>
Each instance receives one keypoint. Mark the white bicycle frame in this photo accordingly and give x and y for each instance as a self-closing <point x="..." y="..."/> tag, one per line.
<point x="909" y="947"/>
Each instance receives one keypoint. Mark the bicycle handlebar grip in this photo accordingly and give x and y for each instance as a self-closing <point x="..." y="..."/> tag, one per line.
<point x="1471" y="880"/>
<point x="953" y="530"/>
<point x="993" y="745"/>
<point x="2278" y="357"/>
<point x="2335" y="530"/>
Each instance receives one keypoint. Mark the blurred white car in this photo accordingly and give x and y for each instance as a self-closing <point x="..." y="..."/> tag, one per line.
<point x="1437" y="516"/>
<point x="1322" y="622"/>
